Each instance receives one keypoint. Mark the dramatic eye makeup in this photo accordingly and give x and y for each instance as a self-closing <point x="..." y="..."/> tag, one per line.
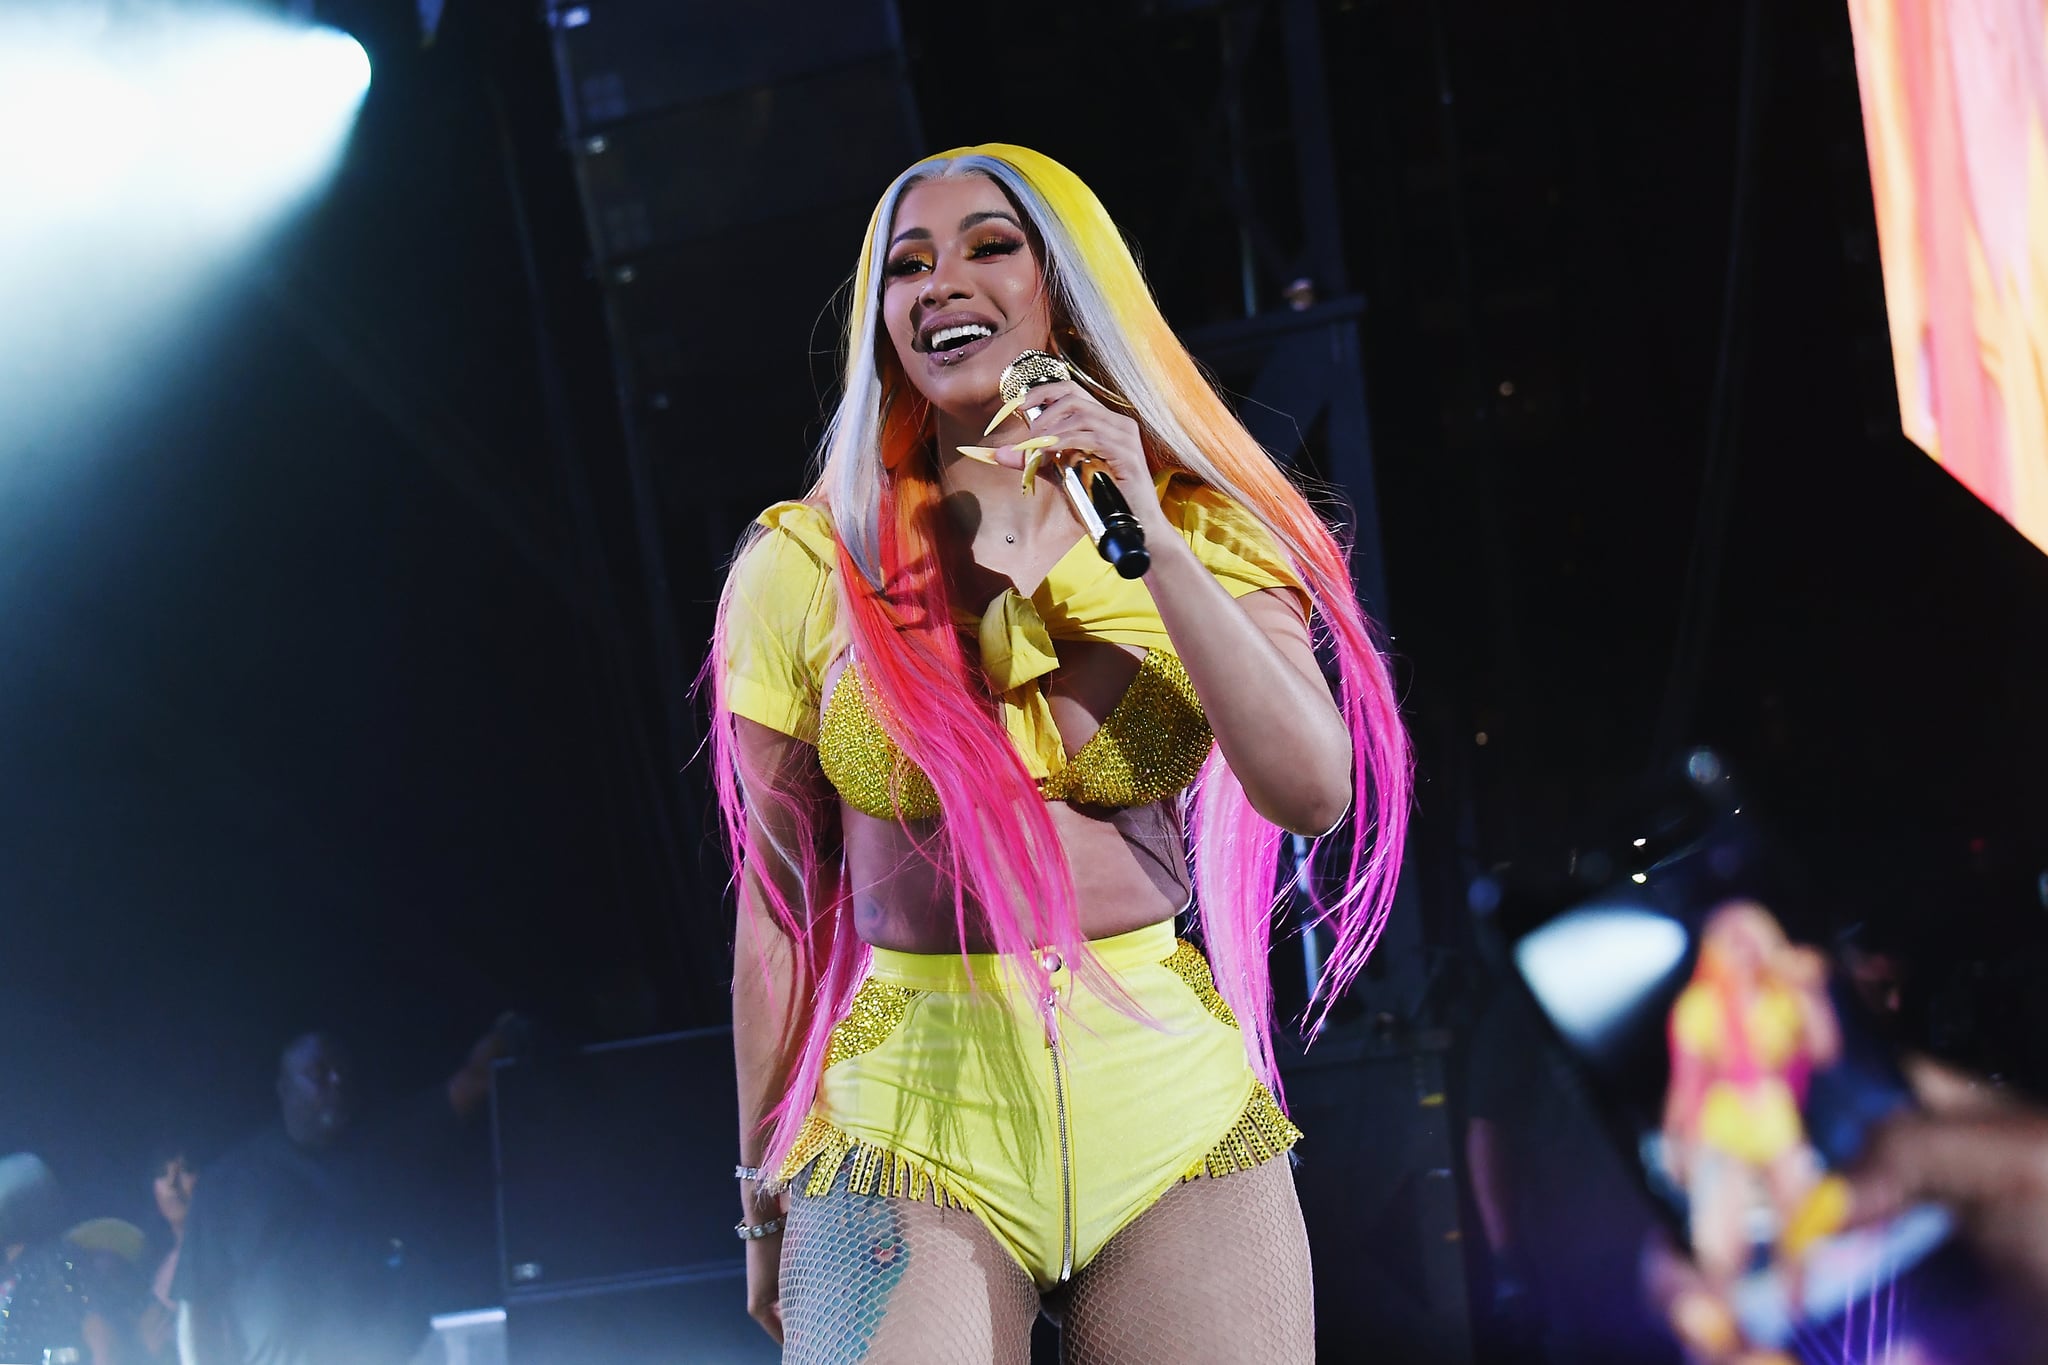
<point x="913" y="246"/>
<point x="992" y="247"/>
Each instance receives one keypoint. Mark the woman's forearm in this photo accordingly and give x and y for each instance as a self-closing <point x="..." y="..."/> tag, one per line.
<point x="789" y="809"/>
<point x="1266" y="698"/>
<point x="770" y="1011"/>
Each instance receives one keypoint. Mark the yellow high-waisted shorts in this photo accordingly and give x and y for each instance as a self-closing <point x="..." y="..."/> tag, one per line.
<point x="1756" y="1123"/>
<point x="1055" y="1137"/>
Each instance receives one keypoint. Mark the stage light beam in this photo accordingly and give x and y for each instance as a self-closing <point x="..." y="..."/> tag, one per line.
<point x="145" y="151"/>
<point x="257" y="115"/>
<point x="162" y="122"/>
<point x="1590" y="968"/>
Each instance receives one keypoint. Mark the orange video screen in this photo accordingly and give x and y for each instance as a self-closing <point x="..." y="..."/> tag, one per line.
<point x="1955" y="111"/>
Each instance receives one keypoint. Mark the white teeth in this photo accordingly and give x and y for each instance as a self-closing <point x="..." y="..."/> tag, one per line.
<point x="972" y="330"/>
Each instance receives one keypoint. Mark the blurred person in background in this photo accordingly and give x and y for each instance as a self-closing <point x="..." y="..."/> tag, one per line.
<point x="50" y="1304"/>
<point x="113" y="1257"/>
<point x="304" y="1245"/>
<point x="1876" y="969"/>
<point x="173" y="1176"/>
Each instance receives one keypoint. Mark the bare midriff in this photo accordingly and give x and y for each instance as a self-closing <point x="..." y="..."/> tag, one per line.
<point x="1129" y="866"/>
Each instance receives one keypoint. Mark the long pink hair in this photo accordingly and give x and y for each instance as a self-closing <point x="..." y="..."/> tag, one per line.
<point x="995" y="840"/>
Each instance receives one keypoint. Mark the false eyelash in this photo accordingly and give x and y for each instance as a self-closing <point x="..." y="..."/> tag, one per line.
<point x="994" y="246"/>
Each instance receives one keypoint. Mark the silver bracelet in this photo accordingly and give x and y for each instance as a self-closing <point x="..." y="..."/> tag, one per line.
<point x="746" y="1173"/>
<point x="752" y="1232"/>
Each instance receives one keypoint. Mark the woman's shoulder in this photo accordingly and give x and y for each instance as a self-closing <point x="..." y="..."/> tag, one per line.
<point x="1226" y="535"/>
<point x="780" y="619"/>
<point x="790" y="546"/>
<point x="806" y="525"/>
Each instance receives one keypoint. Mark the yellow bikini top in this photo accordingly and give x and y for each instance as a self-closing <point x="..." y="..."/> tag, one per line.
<point x="1151" y="745"/>
<point x="782" y="639"/>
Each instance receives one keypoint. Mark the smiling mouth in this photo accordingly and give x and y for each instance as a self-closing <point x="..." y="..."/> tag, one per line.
<point x="955" y="337"/>
<point x="954" y="345"/>
<point x="948" y="340"/>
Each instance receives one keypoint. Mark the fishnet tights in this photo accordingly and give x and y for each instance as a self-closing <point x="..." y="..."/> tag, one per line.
<point x="1216" y="1273"/>
<point x="867" y="1277"/>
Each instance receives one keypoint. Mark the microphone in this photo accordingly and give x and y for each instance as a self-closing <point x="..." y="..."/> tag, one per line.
<point x="1117" y="535"/>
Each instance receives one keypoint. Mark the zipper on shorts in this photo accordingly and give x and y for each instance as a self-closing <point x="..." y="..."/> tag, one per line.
<point x="1050" y="1007"/>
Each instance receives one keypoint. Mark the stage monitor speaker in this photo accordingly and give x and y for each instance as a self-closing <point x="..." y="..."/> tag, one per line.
<point x="619" y="60"/>
<point x="727" y="159"/>
<point x="676" y="314"/>
<point x="696" y="1320"/>
<point x="1379" y="1194"/>
<point x="615" y="1163"/>
<point x="755" y="156"/>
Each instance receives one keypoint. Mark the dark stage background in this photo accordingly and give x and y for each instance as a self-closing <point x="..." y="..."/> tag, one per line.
<point x="335" y="688"/>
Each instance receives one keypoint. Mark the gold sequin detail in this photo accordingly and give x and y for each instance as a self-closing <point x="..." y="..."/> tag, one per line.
<point x="870" y="1168"/>
<point x="1189" y="965"/>
<point x="864" y="763"/>
<point x="1263" y="1130"/>
<point x="1152" y="744"/>
<point x="878" y="1007"/>
<point x="1261" y="1133"/>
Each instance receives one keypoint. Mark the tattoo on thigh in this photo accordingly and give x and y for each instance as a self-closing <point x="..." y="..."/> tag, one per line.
<point x="861" y="1257"/>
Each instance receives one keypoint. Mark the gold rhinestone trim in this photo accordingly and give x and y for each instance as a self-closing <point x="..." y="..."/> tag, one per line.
<point x="878" y="1009"/>
<point x="870" y="1168"/>
<point x="862" y="761"/>
<point x="1189" y="965"/>
<point x="1261" y="1133"/>
<point x="1152" y="744"/>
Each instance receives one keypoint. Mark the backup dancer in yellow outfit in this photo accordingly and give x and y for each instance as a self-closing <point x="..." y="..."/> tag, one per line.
<point x="960" y="756"/>
<point x="1746" y="1034"/>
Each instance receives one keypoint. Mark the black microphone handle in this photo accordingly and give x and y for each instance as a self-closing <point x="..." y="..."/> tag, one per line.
<point x="1123" y="539"/>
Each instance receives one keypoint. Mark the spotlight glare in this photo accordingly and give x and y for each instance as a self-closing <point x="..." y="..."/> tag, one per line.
<point x="147" y="146"/>
<point x="257" y="114"/>
<point x="87" y="134"/>
<point x="156" y="121"/>
<point x="1589" y="968"/>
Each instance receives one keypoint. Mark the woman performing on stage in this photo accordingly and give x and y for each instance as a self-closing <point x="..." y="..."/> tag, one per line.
<point x="972" y="773"/>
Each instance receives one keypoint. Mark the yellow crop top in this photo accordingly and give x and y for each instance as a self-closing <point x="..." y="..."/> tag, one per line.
<point x="783" y="636"/>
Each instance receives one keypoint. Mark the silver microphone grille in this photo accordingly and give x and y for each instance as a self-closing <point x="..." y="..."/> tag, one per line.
<point x="1029" y="370"/>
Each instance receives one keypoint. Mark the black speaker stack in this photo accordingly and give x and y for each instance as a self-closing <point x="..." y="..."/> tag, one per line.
<point x="728" y="157"/>
<point x="616" y="1204"/>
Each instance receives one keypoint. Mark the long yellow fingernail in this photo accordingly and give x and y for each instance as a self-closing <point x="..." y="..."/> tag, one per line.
<point x="985" y="454"/>
<point x="1036" y="443"/>
<point x="1031" y="463"/>
<point x="1003" y="413"/>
